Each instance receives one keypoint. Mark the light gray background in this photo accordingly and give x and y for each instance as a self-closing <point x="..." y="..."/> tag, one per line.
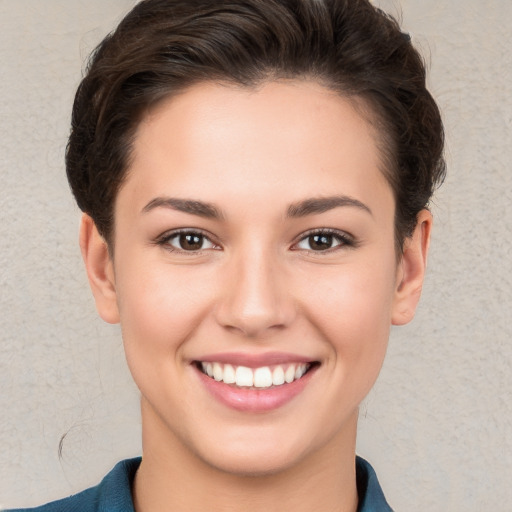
<point x="437" y="426"/>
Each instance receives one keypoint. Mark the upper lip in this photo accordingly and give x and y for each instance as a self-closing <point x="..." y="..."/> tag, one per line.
<point x="254" y="360"/>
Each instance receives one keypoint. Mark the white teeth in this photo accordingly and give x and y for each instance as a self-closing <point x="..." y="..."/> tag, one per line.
<point x="209" y="369"/>
<point x="229" y="374"/>
<point x="289" y="375"/>
<point x="300" y="371"/>
<point x="218" y="374"/>
<point x="263" y="377"/>
<point x="244" y="376"/>
<point x="278" y="376"/>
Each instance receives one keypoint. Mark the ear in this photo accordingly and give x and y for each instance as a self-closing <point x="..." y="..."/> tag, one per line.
<point x="100" y="270"/>
<point x="411" y="270"/>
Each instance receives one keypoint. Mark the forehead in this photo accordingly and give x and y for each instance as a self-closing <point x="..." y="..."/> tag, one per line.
<point x="291" y="137"/>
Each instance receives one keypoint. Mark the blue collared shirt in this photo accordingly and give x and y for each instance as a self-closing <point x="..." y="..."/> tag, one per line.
<point x="113" y="494"/>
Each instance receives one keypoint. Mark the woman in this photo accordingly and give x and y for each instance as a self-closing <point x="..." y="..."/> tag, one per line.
<point x="254" y="177"/>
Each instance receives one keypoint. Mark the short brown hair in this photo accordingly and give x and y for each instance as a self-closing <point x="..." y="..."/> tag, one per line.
<point x="164" y="46"/>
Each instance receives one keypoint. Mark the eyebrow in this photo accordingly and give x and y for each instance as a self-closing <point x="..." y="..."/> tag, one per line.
<point x="300" y="209"/>
<point x="200" y="208"/>
<point x="324" y="204"/>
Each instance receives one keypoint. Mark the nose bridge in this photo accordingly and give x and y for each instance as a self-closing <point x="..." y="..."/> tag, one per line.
<point x="255" y="297"/>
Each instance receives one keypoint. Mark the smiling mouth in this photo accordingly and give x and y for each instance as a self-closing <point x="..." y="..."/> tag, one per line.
<point x="256" y="378"/>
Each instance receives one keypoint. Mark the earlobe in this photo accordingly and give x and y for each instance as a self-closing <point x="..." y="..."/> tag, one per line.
<point x="100" y="270"/>
<point x="411" y="271"/>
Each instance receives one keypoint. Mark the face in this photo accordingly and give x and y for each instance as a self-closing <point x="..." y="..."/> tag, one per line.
<point x="255" y="274"/>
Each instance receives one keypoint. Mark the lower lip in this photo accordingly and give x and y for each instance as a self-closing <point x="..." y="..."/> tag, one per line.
<point x="255" y="400"/>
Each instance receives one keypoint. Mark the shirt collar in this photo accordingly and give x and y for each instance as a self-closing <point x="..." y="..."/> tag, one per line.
<point x="114" y="492"/>
<point x="371" y="497"/>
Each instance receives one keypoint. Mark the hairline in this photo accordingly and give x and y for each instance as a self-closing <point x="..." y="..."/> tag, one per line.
<point x="363" y="104"/>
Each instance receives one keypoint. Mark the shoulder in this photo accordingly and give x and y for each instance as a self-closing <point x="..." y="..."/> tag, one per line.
<point x="85" y="501"/>
<point x="371" y="496"/>
<point x="113" y="494"/>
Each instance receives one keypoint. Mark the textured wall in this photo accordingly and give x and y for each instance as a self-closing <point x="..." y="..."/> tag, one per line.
<point x="438" y="424"/>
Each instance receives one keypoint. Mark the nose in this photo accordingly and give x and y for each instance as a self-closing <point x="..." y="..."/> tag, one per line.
<point x="256" y="297"/>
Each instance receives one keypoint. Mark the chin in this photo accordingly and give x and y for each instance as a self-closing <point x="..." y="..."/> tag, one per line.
<point x="257" y="462"/>
<point x="262" y="450"/>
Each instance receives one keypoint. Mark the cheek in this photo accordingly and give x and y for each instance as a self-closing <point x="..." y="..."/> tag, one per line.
<point x="352" y="309"/>
<point x="159" y="309"/>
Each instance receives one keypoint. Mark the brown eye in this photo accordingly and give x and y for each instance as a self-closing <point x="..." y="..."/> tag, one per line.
<point x="322" y="241"/>
<point x="188" y="241"/>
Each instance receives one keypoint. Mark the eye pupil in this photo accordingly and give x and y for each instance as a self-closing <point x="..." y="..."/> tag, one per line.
<point x="320" y="242"/>
<point x="191" y="241"/>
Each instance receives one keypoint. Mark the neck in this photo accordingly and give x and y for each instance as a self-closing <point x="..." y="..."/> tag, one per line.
<point x="172" y="478"/>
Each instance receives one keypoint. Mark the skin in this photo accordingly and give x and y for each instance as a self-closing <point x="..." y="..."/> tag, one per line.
<point x="256" y="286"/>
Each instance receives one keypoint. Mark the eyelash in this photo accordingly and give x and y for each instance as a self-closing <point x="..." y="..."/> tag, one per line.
<point x="165" y="239"/>
<point x="343" y="240"/>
